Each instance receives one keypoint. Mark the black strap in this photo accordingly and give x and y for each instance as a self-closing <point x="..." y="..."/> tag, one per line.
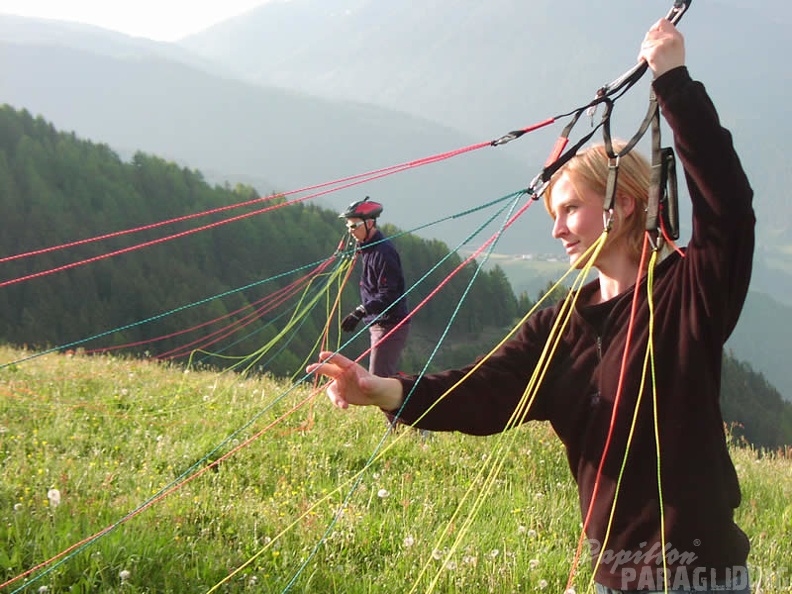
<point x="662" y="212"/>
<point x="652" y="115"/>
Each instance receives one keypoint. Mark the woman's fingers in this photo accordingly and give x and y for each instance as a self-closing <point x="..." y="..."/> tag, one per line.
<point x="334" y="394"/>
<point x="330" y="364"/>
<point x="663" y="47"/>
<point x="343" y="373"/>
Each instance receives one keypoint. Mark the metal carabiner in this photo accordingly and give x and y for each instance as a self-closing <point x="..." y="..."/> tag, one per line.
<point x="677" y="10"/>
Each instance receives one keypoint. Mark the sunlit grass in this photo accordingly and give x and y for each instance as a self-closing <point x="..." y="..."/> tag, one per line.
<point x="87" y="442"/>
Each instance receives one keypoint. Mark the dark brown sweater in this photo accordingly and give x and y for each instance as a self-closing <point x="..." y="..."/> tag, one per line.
<point x="698" y="300"/>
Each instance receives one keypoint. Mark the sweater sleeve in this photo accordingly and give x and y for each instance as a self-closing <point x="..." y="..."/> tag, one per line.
<point x="720" y="251"/>
<point x="482" y="398"/>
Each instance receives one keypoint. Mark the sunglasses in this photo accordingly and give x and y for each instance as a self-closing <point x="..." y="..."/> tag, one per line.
<point x="353" y="226"/>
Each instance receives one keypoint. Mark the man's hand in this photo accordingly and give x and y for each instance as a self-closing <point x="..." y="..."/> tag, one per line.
<point x="350" y="322"/>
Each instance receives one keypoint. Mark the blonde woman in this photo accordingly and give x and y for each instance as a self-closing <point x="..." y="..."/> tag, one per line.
<point x="697" y="301"/>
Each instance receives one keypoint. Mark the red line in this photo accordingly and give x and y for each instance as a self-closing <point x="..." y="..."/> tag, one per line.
<point x="230" y="220"/>
<point x="354" y="181"/>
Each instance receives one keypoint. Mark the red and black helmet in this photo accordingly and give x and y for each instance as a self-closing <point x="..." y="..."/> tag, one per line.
<point x="362" y="209"/>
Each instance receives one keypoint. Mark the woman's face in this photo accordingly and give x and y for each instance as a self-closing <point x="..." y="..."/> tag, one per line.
<point x="577" y="213"/>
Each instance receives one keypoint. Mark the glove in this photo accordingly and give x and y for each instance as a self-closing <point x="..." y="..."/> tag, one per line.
<point x="349" y="323"/>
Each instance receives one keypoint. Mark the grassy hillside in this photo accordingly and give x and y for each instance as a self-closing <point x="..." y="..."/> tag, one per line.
<point x="139" y="477"/>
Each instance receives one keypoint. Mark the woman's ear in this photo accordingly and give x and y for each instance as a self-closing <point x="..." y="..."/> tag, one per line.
<point x="626" y="204"/>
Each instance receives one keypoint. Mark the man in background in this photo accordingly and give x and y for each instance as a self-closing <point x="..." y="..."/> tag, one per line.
<point x="381" y="289"/>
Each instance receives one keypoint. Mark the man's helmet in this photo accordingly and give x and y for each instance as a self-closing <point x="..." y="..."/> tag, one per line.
<point x="362" y="209"/>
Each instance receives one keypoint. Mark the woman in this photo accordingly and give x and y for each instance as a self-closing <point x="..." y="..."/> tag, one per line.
<point x="697" y="301"/>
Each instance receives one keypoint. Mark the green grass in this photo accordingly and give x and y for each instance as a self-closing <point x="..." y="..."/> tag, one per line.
<point x="110" y="434"/>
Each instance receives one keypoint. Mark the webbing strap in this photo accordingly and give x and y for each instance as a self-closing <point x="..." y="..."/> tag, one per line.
<point x="662" y="214"/>
<point x="652" y="115"/>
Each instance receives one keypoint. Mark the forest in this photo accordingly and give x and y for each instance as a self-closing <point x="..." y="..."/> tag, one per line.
<point x="60" y="288"/>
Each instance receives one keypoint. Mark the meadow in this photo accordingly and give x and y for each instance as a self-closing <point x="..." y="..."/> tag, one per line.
<point x="125" y="475"/>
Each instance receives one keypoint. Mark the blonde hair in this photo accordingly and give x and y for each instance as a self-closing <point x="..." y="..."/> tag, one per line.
<point x="590" y="168"/>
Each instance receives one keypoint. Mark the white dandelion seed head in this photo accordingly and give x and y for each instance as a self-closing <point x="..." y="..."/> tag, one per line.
<point x="437" y="554"/>
<point x="43" y="590"/>
<point x="409" y="541"/>
<point x="18" y="507"/>
<point x="569" y="591"/>
<point x="531" y="533"/>
<point x="470" y="560"/>
<point x="521" y="529"/>
<point x="382" y="493"/>
<point x="54" y="497"/>
<point x="542" y="584"/>
<point x="533" y="563"/>
<point x="124" y="574"/>
<point x="539" y="495"/>
<point x="451" y="565"/>
<point x="494" y="553"/>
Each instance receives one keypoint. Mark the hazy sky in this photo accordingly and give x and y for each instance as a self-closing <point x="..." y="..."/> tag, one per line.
<point x="163" y="20"/>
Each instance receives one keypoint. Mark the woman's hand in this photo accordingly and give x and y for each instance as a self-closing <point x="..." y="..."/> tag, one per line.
<point x="663" y="48"/>
<point x="352" y="384"/>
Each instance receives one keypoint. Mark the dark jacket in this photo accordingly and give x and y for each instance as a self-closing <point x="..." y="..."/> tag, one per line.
<point x="381" y="281"/>
<point x="697" y="301"/>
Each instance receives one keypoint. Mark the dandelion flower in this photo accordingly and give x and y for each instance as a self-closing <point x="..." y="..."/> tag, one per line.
<point x="382" y="493"/>
<point x="54" y="497"/>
